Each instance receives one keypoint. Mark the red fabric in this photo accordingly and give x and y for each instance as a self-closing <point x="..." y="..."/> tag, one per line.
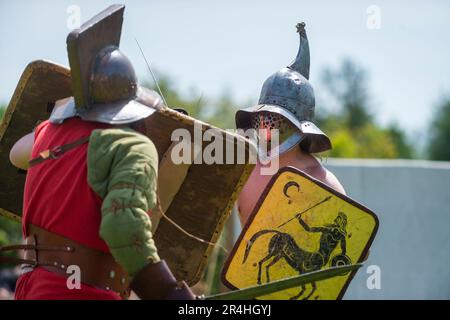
<point x="58" y="198"/>
<point x="41" y="284"/>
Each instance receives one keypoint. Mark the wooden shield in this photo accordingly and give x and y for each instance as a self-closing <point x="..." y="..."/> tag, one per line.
<point x="41" y="84"/>
<point x="197" y="197"/>
<point x="300" y="225"/>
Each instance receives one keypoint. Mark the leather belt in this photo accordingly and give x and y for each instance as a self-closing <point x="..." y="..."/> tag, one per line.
<point x="56" y="253"/>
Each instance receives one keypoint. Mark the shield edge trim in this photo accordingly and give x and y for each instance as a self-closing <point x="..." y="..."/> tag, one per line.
<point x="10" y="109"/>
<point x="326" y="187"/>
<point x="10" y="216"/>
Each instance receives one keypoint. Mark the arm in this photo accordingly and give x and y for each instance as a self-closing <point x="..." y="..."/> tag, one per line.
<point x="21" y="151"/>
<point x="122" y="169"/>
<point x="344" y="246"/>
<point x="308" y="228"/>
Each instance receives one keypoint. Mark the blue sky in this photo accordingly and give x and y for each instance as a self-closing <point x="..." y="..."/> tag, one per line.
<point x="233" y="46"/>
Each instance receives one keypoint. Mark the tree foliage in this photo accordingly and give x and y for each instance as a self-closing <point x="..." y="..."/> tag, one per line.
<point x="352" y="127"/>
<point x="347" y="86"/>
<point x="10" y="231"/>
<point x="219" y="112"/>
<point x="439" y="140"/>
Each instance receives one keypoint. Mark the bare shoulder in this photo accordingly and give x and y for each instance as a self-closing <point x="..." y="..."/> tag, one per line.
<point x="332" y="181"/>
<point x="313" y="166"/>
<point x="20" y="153"/>
<point x="324" y="175"/>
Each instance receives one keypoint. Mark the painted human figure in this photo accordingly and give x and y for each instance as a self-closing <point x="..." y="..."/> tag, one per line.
<point x="331" y="236"/>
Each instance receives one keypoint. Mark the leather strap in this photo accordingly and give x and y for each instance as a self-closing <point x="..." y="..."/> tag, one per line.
<point x="57" y="152"/>
<point x="56" y="253"/>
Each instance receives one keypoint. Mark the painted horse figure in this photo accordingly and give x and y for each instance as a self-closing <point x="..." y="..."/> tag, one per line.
<point x="283" y="246"/>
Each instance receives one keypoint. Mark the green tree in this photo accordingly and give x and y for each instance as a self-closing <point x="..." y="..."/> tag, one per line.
<point x="401" y="142"/>
<point x="219" y="112"/>
<point x="352" y="128"/>
<point x="10" y="231"/>
<point x="344" y="145"/>
<point x="347" y="85"/>
<point x="439" y="139"/>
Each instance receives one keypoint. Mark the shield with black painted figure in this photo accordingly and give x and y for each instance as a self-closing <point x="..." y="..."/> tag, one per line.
<point x="42" y="83"/>
<point x="300" y="225"/>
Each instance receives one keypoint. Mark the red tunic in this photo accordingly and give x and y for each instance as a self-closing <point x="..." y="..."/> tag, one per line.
<point x="58" y="198"/>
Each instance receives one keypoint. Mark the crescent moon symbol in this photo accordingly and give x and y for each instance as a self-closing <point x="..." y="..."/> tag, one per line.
<point x="288" y="185"/>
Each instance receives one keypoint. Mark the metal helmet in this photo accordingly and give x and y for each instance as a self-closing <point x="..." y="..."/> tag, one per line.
<point x="112" y="78"/>
<point x="104" y="83"/>
<point x="289" y="93"/>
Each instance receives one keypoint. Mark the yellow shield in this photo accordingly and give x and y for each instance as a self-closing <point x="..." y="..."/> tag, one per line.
<point x="300" y="225"/>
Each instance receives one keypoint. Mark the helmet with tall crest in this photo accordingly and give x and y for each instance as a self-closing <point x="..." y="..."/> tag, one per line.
<point x="287" y="103"/>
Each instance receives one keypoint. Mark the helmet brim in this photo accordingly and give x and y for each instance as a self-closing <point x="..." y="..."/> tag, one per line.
<point x="314" y="141"/>
<point x="142" y="106"/>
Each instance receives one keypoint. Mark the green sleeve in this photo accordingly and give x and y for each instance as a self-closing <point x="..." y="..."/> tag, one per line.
<point x="122" y="170"/>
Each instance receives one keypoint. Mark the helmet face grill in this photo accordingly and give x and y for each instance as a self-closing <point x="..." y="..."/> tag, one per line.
<point x="267" y="120"/>
<point x="288" y="134"/>
<point x="271" y="121"/>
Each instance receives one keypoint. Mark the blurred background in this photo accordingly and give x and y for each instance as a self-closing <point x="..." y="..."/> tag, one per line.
<point x="381" y="74"/>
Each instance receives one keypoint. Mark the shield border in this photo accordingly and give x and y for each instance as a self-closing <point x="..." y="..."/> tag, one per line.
<point x="326" y="187"/>
<point x="22" y="85"/>
<point x="18" y="91"/>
